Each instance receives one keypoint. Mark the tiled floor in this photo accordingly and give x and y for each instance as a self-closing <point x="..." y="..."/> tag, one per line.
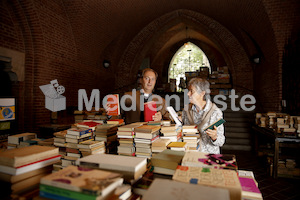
<point x="280" y="188"/>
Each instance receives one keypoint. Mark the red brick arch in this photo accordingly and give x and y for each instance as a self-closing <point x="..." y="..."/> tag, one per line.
<point x="233" y="53"/>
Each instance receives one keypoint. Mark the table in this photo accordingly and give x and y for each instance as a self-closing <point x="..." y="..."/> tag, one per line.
<point x="279" y="142"/>
<point x="47" y="130"/>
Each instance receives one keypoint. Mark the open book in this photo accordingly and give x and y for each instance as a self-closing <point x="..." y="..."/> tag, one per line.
<point x="174" y="115"/>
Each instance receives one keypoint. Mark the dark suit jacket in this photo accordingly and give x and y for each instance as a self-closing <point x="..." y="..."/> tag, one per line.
<point x="135" y="116"/>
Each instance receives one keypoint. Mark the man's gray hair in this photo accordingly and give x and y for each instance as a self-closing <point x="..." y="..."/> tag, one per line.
<point x="201" y="85"/>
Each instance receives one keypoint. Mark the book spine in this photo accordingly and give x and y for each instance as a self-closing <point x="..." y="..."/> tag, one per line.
<point x="62" y="194"/>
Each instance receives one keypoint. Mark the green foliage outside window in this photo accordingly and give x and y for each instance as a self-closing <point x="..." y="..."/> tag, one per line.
<point x="188" y="58"/>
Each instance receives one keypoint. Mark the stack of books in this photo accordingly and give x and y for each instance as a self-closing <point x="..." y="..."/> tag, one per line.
<point x="16" y="141"/>
<point x="141" y="186"/>
<point x="171" y="132"/>
<point x="60" y="143"/>
<point x="159" y="145"/>
<point x="191" y="137"/>
<point x="93" y="115"/>
<point x="79" y="183"/>
<point x="189" y="130"/>
<point x="132" y="168"/>
<point x="91" y="147"/>
<point x="218" y="161"/>
<point x="108" y="134"/>
<point x="74" y="137"/>
<point x="166" y="161"/>
<point x="126" y="139"/>
<point x="46" y="142"/>
<point x="118" y="122"/>
<point x="249" y="185"/>
<point x="216" y="178"/>
<point x="160" y="123"/>
<point x="79" y="116"/>
<point x="144" y="137"/>
<point x="192" y="142"/>
<point x="60" y="139"/>
<point x="177" y="146"/>
<point x="22" y="168"/>
<point x="88" y="124"/>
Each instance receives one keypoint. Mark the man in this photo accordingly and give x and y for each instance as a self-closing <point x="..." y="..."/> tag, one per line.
<point x="149" y="77"/>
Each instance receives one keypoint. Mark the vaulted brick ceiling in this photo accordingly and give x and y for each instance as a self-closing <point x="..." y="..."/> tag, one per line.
<point x="126" y="32"/>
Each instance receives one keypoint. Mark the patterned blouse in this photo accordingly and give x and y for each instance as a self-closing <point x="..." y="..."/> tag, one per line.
<point x="207" y="144"/>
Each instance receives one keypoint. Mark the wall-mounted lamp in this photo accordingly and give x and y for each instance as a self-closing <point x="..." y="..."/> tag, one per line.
<point x="256" y="59"/>
<point x="106" y="63"/>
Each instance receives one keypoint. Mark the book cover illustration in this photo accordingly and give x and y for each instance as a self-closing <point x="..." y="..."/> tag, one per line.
<point x="113" y="105"/>
<point x="220" y="178"/>
<point x="200" y="159"/>
<point x="81" y="179"/>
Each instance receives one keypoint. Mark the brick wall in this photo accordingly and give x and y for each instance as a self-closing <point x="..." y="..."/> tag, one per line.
<point x="68" y="40"/>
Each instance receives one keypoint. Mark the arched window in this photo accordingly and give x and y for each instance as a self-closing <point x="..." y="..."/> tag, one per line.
<point x="189" y="58"/>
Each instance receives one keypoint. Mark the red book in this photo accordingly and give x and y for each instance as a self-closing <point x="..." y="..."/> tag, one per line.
<point x="113" y="104"/>
<point x="149" y="110"/>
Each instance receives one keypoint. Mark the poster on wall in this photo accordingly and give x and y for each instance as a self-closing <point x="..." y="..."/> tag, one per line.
<point x="7" y="109"/>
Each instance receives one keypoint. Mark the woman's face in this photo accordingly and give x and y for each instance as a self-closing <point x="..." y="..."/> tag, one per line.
<point x="194" y="96"/>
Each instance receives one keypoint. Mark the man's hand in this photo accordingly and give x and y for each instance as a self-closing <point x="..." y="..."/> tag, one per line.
<point x="212" y="133"/>
<point x="157" y="116"/>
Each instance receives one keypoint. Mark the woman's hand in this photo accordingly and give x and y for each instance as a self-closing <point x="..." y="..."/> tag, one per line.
<point x="157" y="116"/>
<point x="212" y="133"/>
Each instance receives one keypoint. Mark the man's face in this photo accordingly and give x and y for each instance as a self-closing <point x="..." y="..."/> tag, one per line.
<point x="148" y="81"/>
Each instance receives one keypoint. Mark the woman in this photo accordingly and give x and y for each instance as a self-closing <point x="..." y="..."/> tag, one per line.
<point x="202" y="112"/>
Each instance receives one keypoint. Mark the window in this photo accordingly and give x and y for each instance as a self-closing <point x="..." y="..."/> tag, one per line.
<point x="188" y="58"/>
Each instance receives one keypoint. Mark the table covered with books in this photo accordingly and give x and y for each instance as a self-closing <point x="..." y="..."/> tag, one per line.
<point x="154" y="160"/>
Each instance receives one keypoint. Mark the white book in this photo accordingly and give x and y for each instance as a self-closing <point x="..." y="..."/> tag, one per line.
<point x="174" y="115"/>
<point x="73" y="154"/>
<point x="16" y="139"/>
<point x="29" y="167"/>
<point x="114" y="162"/>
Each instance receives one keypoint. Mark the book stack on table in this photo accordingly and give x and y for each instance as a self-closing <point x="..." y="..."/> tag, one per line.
<point x="159" y="145"/>
<point x="171" y="132"/>
<point x="108" y="134"/>
<point x="177" y="146"/>
<point x="132" y="168"/>
<point x="75" y="182"/>
<point x="22" y="168"/>
<point x="166" y="161"/>
<point x="21" y="140"/>
<point x="191" y="137"/>
<point x="73" y="137"/>
<point x="144" y="137"/>
<point x="126" y="136"/>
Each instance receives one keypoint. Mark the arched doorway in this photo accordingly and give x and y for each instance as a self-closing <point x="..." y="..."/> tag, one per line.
<point x="188" y="58"/>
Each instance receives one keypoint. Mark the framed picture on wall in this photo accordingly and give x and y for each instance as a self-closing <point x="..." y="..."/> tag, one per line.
<point x="7" y="109"/>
